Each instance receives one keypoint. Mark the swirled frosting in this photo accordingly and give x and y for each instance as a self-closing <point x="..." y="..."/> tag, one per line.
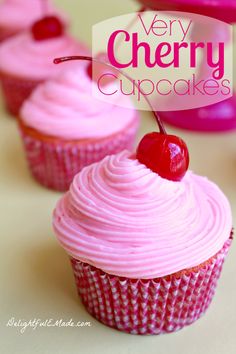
<point x="121" y="217"/>
<point x="25" y="57"/>
<point x="20" y="14"/>
<point x="64" y="107"/>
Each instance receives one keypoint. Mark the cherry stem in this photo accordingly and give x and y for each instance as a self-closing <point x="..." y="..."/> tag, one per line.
<point x="82" y="57"/>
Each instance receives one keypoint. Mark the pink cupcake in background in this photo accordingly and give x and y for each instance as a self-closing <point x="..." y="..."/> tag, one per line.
<point x="19" y="15"/>
<point x="146" y="251"/>
<point x="27" y="59"/>
<point x="64" y="128"/>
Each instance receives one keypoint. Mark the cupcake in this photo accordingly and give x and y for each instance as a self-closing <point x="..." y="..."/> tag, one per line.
<point x="146" y="239"/>
<point x="18" y="15"/>
<point x="27" y="59"/>
<point x="65" y="128"/>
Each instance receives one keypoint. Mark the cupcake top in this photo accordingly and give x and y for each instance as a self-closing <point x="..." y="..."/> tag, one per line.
<point x="20" y="14"/>
<point x="65" y="108"/>
<point x="121" y="217"/>
<point x="25" y="57"/>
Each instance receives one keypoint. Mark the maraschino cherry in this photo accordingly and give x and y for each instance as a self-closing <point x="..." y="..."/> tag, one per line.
<point x="48" y="26"/>
<point x="164" y="154"/>
<point x="167" y="155"/>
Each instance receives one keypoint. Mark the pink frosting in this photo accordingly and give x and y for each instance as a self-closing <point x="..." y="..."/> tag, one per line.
<point x="121" y="217"/>
<point x="25" y="57"/>
<point x="20" y="14"/>
<point x="64" y="107"/>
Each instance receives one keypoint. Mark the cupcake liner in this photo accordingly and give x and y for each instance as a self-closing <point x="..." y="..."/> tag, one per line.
<point x="16" y="91"/>
<point x="54" y="162"/>
<point x="155" y="306"/>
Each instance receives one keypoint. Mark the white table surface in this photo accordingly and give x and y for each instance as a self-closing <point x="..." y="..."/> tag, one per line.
<point x="36" y="278"/>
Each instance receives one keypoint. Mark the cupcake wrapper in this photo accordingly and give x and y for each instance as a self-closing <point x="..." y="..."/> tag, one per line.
<point x="55" y="163"/>
<point x="156" y="306"/>
<point x="16" y="91"/>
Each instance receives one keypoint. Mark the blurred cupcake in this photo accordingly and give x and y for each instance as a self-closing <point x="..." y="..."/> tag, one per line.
<point x="18" y="15"/>
<point x="146" y="251"/>
<point x="65" y="128"/>
<point x="27" y="59"/>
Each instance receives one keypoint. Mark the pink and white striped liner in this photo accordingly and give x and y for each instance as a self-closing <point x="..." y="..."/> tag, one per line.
<point x="16" y="91"/>
<point x="155" y="306"/>
<point x="55" y="163"/>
